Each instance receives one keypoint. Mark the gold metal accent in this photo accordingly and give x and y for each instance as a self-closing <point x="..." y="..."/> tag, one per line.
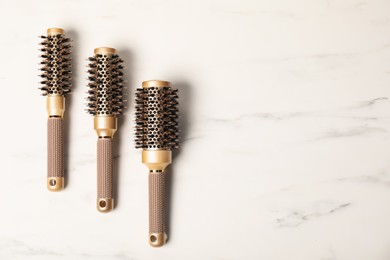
<point x="105" y="126"/>
<point x="55" y="105"/>
<point x="105" y="205"/>
<point x="55" y="183"/>
<point x="157" y="239"/>
<point x="55" y="31"/>
<point x="156" y="160"/>
<point x="156" y="83"/>
<point x="104" y="50"/>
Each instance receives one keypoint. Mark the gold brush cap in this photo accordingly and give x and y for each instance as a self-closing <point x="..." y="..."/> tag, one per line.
<point x="105" y="205"/>
<point x="104" y="50"/>
<point x="157" y="239"/>
<point x="156" y="83"/>
<point x="55" y="183"/>
<point x="55" y="31"/>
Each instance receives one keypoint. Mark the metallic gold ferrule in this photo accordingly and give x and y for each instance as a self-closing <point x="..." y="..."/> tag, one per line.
<point x="156" y="160"/>
<point x="105" y="126"/>
<point x="55" y="105"/>
<point x="105" y="205"/>
<point x="55" y="183"/>
<point x="157" y="239"/>
<point x="156" y="84"/>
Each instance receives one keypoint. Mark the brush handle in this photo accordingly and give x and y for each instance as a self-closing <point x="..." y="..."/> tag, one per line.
<point x="157" y="190"/>
<point x="105" y="196"/>
<point x="55" y="154"/>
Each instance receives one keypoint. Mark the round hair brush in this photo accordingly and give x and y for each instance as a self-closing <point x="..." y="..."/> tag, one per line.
<point x="56" y="84"/>
<point x="157" y="134"/>
<point x="105" y="103"/>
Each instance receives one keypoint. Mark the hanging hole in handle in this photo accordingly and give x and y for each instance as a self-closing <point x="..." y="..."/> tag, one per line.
<point x="153" y="238"/>
<point x="52" y="182"/>
<point x="102" y="204"/>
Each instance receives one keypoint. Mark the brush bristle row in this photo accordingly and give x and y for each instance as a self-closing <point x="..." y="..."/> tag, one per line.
<point x="157" y="118"/>
<point x="56" y="67"/>
<point x="105" y="94"/>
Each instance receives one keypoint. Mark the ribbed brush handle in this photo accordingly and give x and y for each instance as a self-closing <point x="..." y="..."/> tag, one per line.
<point x="55" y="154"/>
<point x="105" y="196"/>
<point x="157" y="189"/>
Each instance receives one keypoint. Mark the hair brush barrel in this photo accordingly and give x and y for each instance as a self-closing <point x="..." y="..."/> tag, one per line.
<point x="105" y="103"/>
<point x="55" y="67"/>
<point x="157" y="134"/>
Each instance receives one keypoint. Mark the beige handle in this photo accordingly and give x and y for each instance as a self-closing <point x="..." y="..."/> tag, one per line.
<point x="105" y="197"/>
<point x="55" y="154"/>
<point x="157" y="235"/>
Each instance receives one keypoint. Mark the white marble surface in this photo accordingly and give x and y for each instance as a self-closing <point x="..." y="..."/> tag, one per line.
<point x="285" y="115"/>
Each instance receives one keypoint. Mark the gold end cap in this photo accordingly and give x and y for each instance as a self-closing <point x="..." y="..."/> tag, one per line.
<point x="55" y="31"/>
<point x="55" y="183"/>
<point x="105" y="205"/>
<point x="157" y="239"/>
<point x="104" y="50"/>
<point x="156" y="83"/>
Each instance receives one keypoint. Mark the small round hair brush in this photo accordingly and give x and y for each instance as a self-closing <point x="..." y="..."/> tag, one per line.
<point x="105" y="103"/>
<point x="55" y="67"/>
<point x="157" y="134"/>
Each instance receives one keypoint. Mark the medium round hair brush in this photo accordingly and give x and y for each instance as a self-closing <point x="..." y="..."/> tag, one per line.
<point x="55" y="67"/>
<point x="105" y="103"/>
<point x="157" y="134"/>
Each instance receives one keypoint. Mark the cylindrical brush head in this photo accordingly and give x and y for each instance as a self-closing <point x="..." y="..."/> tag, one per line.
<point x="56" y="63"/>
<point x="157" y="116"/>
<point x="105" y="94"/>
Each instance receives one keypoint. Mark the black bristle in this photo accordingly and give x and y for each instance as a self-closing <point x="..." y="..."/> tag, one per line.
<point x="156" y="117"/>
<point x="55" y="65"/>
<point x="105" y="94"/>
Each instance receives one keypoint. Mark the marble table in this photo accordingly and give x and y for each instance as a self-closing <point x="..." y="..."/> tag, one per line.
<point x="285" y="130"/>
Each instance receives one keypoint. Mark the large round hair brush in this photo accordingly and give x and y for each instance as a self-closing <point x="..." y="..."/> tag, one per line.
<point x="157" y="134"/>
<point x="105" y="103"/>
<point x="55" y="67"/>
